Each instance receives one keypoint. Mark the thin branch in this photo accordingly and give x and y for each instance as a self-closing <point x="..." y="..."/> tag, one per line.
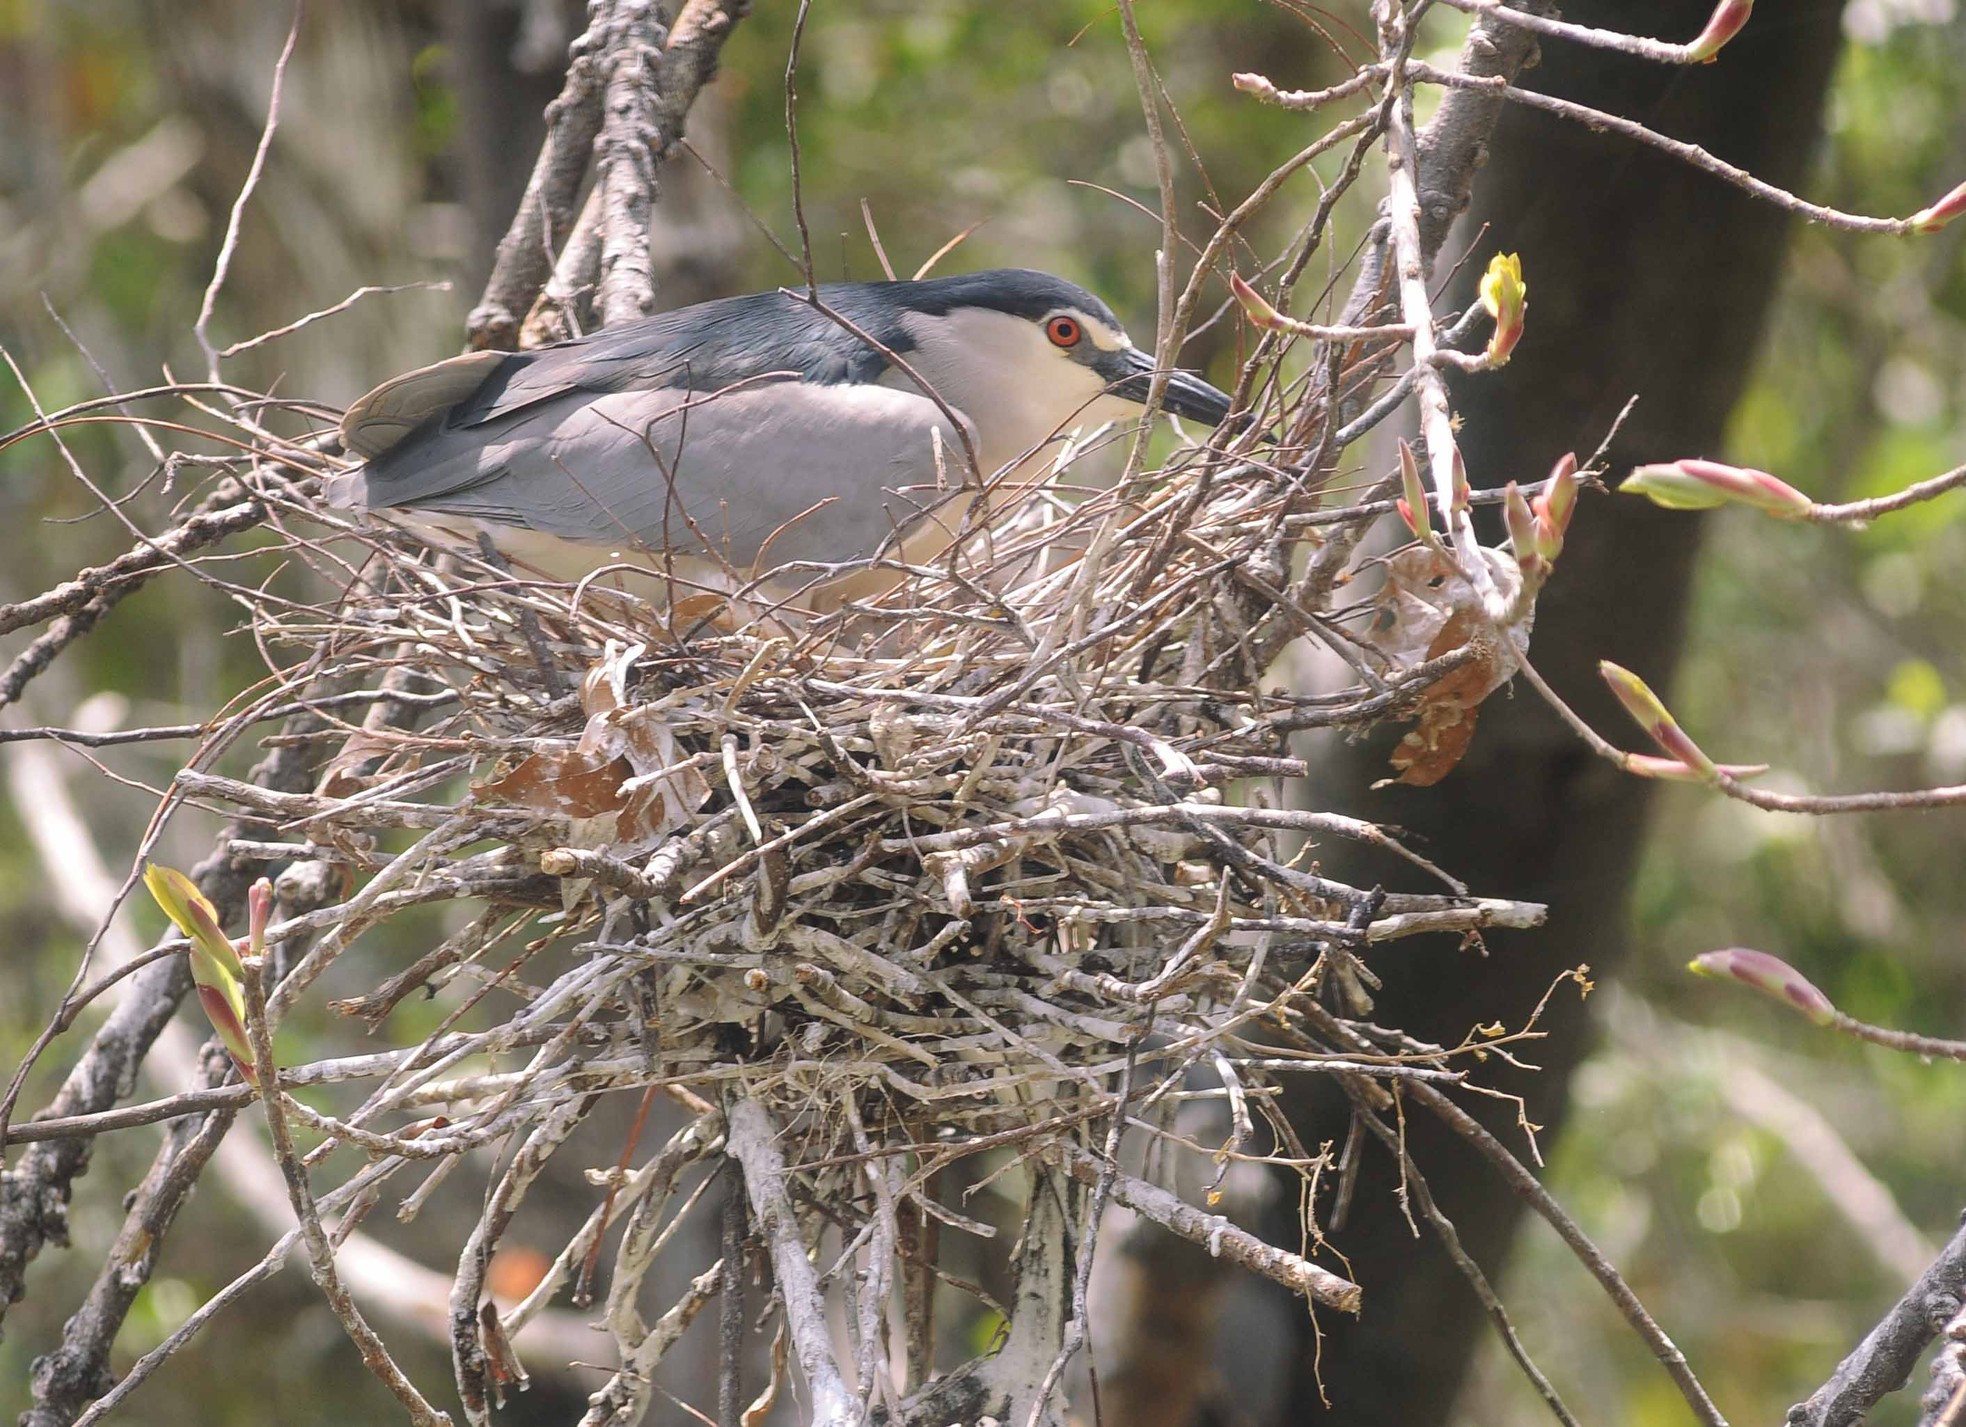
<point x="1637" y="46"/>
<point x="1910" y="1042"/>
<point x="225" y="512"/>
<point x="1530" y="1191"/>
<point x="1170" y="234"/>
<point x="67" y="1379"/>
<point x="33" y="1198"/>
<point x="1600" y="121"/>
<point x="792" y="143"/>
<point x="1861" y="512"/>
<point x="320" y="1252"/>
<point x="1213" y="1232"/>
<point x="336" y="309"/>
<point x="230" y="245"/>
<point x="1421" y="1193"/>
<point x="730" y="1325"/>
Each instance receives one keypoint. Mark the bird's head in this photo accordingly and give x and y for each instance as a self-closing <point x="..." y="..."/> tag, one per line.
<point x="1024" y="354"/>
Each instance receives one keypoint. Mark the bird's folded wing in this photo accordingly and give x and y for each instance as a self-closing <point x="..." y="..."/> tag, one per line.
<point x="706" y="348"/>
<point x="755" y="477"/>
<point x="393" y="410"/>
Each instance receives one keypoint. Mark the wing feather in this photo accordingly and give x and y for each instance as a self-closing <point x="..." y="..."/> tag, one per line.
<point x="819" y="472"/>
<point x="393" y="410"/>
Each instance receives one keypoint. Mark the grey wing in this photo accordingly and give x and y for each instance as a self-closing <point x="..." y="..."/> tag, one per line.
<point x="707" y="347"/>
<point x="392" y="412"/>
<point x="481" y="387"/>
<point x="784" y="470"/>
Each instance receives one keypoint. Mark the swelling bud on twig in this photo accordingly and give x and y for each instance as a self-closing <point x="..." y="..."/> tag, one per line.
<point x="1930" y="220"/>
<point x="259" y="912"/>
<point x="1769" y="975"/>
<point x="1694" y="484"/>
<point x="1729" y="18"/>
<point x="1671" y="770"/>
<point x="1554" y="507"/>
<point x="1259" y="309"/>
<point x="1537" y="527"/>
<point x="1772" y="976"/>
<point x="1530" y="559"/>
<point x="1412" y="504"/>
<point x="1651" y="715"/>
<point x="1505" y="297"/>
<point x="214" y="960"/>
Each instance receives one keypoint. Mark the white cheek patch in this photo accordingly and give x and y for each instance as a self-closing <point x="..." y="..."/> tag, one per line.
<point x="1105" y="338"/>
<point x="1008" y="377"/>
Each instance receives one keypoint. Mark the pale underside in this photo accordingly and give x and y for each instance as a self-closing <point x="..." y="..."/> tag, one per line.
<point x="712" y="492"/>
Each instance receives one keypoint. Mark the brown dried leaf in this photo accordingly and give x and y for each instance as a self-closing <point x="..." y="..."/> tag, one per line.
<point x="1424" y="596"/>
<point x="659" y="795"/>
<point x="1438" y="740"/>
<point x="340" y="780"/>
<point x="501" y="1362"/>
<point x="564" y="781"/>
<point x="624" y="783"/>
<point x="666" y="787"/>
<point x="1416" y="601"/>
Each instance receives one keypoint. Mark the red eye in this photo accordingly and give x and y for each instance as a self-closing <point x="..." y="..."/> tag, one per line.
<point x="1063" y="332"/>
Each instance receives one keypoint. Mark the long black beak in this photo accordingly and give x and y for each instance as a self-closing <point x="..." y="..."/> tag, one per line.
<point x="1187" y="394"/>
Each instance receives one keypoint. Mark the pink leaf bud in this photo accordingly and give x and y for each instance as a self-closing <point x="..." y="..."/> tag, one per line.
<point x="1769" y="975"/>
<point x="259" y="911"/>
<point x="1728" y="19"/>
<point x="1695" y="484"/>
<point x="1255" y="304"/>
<point x="1651" y="715"/>
<point x="1413" y="503"/>
<point x="214" y="962"/>
<point x="1554" y="507"/>
<point x="1521" y="519"/>
<point x="1930" y="220"/>
<point x="1505" y="297"/>
<point x="1522" y="535"/>
<point x="1671" y="770"/>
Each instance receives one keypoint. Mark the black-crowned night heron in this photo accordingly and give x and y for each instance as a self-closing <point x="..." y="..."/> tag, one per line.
<point x="720" y="442"/>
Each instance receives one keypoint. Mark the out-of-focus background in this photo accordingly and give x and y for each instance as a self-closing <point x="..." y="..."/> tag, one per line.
<point x="1767" y="1189"/>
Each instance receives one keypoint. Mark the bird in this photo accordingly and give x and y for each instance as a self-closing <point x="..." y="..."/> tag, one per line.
<point x="734" y="440"/>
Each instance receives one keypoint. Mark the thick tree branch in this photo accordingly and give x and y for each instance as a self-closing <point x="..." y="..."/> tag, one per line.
<point x="1882" y="1363"/>
<point x="628" y="93"/>
<point x="525" y="254"/>
<point x="752" y="1145"/>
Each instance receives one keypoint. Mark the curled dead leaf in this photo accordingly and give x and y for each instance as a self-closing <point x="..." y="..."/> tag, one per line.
<point x="1428" y="609"/>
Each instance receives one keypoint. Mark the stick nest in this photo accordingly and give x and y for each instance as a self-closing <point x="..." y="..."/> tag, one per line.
<point x="980" y="863"/>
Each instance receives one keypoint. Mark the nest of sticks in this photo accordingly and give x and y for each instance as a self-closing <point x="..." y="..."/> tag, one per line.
<point x="993" y="863"/>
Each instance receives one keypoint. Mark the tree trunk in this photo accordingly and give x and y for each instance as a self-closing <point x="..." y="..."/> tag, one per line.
<point x="1647" y="278"/>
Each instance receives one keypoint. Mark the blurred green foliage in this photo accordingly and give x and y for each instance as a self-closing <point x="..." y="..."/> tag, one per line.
<point x="1833" y="655"/>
